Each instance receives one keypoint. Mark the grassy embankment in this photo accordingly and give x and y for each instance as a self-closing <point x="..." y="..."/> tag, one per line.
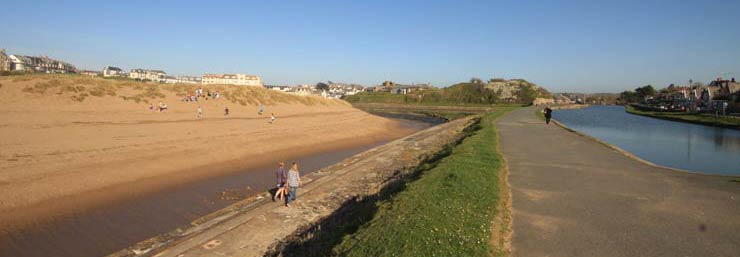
<point x="419" y="99"/>
<point x="447" y="211"/>
<point x="703" y="119"/>
<point x="437" y="104"/>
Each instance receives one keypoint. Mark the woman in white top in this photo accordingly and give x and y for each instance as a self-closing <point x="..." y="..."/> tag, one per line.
<point x="294" y="181"/>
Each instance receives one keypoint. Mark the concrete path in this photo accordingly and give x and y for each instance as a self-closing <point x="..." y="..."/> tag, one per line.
<point x="575" y="197"/>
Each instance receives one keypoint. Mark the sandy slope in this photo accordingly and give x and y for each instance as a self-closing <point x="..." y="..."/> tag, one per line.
<point x="59" y="153"/>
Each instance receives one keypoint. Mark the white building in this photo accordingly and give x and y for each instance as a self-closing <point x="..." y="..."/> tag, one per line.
<point x="232" y="79"/>
<point x="338" y="90"/>
<point x="189" y="80"/>
<point x="110" y="71"/>
<point x="278" y="88"/>
<point x="303" y="90"/>
<point x="26" y="63"/>
<point x="170" y="79"/>
<point x="150" y="75"/>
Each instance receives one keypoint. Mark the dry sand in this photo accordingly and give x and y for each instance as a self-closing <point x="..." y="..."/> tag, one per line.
<point x="59" y="154"/>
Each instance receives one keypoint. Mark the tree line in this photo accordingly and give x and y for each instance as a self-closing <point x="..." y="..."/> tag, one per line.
<point x="638" y="95"/>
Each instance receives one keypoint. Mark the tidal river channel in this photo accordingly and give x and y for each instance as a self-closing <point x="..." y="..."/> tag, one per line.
<point x="107" y="229"/>
<point x="691" y="147"/>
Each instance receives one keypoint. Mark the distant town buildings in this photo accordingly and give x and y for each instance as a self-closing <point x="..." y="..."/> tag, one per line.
<point x="393" y="88"/>
<point x="111" y="71"/>
<point x="232" y="79"/>
<point x="304" y="90"/>
<point x="148" y="75"/>
<point x="24" y="63"/>
<point x="170" y="80"/>
<point x="328" y="90"/>
<point x="721" y="96"/>
<point x="278" y="88"/>
<point x="339" y="90"/>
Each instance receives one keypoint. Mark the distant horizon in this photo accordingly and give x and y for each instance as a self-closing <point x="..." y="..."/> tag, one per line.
<point x="563" y="46"/>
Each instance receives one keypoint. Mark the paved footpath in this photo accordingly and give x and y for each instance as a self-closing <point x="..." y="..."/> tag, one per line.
<point x="573" y="196"/>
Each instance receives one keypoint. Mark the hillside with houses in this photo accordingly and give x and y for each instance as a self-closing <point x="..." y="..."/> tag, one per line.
<point x="719" y="96"/>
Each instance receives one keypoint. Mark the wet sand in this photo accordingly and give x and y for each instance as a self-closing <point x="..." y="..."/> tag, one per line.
<point x="111" y="227"/>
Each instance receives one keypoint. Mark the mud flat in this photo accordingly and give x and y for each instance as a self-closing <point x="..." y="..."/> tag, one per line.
<point x="257" y="225"/>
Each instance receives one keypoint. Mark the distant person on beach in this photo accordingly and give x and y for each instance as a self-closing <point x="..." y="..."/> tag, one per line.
<point x="261" y="109"/>
<point x="281" y="178"/>
<point x="226" y="111"/>
<point x="294" y="181"/>
<point x="200" y="112"/>
<point x="272" y="118"/>
<point x="548" y="114"/>
<point x="151" y="107"/>
<point x="162" y="107"/>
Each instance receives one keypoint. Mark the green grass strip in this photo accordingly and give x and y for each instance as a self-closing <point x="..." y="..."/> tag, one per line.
<point x="447" y="211"/>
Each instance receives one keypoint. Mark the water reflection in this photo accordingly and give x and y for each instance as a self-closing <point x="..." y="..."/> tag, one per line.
<point x="674" y="144"/>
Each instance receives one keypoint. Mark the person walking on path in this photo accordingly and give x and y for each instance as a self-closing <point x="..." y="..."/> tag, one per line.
<point x="281" y="180"/>
<point x="294" y="181"/>
<point x="200" y="112"/>
<point x="226" y="111"/>
<point x="548" y="115"/>
<point x="272" y="118"/>
<point x="261" y="109"/>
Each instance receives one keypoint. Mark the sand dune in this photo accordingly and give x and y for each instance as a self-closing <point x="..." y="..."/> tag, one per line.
<point x="68" y="142"/>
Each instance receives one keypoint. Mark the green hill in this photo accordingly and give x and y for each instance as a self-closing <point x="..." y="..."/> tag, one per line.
<point x="496" y="91"/>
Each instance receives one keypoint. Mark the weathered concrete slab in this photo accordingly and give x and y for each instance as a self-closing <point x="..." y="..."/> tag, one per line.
<point x="250" y="228"/>
<point x="575" y="197"/>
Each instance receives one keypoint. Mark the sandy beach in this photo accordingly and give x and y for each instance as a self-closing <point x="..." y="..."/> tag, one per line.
<point x="70" y="142"/>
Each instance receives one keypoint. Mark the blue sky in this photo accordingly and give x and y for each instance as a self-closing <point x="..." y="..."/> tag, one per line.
<point x="584" y="46"/>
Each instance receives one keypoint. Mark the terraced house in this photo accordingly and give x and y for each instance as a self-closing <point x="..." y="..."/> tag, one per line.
<point x="111" y="71"/>
<point x="24" y="63"/>
<point x="232" y="79"/>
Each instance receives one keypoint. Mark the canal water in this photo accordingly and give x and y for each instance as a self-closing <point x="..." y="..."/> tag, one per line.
<point x="696" y="148"/>
<point x="112" y="227"/>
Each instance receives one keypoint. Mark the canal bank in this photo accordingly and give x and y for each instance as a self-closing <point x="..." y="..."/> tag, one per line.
<point x="253" y="226"/>
<point x="573" y="196"/>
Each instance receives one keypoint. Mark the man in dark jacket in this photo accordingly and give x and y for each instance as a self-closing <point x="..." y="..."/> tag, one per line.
<point x="548" y="114"/>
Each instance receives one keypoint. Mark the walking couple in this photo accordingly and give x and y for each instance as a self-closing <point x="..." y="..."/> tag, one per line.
<point x="287" y="183"/>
